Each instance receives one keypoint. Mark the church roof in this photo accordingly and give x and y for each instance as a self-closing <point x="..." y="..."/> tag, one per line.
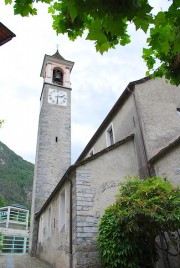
<point x="5" y="34"/>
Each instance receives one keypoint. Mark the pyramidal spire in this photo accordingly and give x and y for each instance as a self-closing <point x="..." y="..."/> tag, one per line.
<point x="58" y="55"/>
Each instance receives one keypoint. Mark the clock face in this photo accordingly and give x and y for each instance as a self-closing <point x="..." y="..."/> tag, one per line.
<point x="57" y="97"/>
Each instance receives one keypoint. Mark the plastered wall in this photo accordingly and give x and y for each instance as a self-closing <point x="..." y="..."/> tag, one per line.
<point x="157" y="105"/>
<point x="122" y="125"/>
<point x="169" y="165"/>
<point x="53" y="237"/>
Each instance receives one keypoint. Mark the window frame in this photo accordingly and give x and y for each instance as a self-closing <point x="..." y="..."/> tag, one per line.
<point x="110" y="137"/>
<point x="62" y="209"/>
<point x="57" y="69"/>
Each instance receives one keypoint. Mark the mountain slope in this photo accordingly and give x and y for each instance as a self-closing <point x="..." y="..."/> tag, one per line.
<point x="16" y="177"/>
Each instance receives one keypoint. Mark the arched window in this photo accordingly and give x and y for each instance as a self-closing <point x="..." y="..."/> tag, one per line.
<point x="57" y="77"/>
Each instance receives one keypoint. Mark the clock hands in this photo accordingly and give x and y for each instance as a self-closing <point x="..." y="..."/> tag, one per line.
<point x="57" y="98"/>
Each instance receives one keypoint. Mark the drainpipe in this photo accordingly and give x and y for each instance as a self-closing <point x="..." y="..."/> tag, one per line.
<point x="70" y="228"/>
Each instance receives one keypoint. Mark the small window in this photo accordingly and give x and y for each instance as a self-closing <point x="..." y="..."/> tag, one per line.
<point x="40" y="233"/>
<point x="110" y="135"/>
<point x="49" y="222"/>
<point x="57" y="77"/>
<point x="62" y="210"/>
<point x="178" y="110"/>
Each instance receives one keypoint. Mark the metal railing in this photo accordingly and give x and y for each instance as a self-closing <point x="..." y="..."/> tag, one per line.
<point x="15" y="244"/>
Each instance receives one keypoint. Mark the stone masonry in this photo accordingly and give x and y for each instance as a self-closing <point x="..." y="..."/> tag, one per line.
<point x="86" y="255"/>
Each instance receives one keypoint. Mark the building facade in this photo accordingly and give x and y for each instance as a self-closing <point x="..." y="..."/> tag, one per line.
<point x="139" y="136"/>
<point x="14" y="229"/>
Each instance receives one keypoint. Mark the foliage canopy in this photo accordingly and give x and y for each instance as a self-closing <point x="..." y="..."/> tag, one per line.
<point x="106" y="22"/>
<point x="143" y="211"/>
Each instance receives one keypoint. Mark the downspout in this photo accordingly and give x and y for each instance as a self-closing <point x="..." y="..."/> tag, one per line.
<point x="70" y="228"/>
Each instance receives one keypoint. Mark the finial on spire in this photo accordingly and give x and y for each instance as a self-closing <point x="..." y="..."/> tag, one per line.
<point x="57" y="47"/>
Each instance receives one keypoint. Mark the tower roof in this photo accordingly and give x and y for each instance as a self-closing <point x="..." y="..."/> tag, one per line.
<point x="55" y="58"/>
<point x="57" y="55"/>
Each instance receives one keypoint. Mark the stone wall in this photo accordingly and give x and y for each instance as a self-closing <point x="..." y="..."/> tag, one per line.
<point x="53" y="153"/>
<point x="94" y="188"/>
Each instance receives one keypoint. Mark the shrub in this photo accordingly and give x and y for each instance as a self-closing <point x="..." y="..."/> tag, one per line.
<point x="128" y="230"/>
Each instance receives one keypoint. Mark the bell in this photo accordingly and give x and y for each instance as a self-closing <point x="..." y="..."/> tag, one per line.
<point x="57" y="77"/>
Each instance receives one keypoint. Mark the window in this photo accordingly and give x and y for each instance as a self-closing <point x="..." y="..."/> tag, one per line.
<point x="110" y="135"/>
<point x="57" y="77"/>
<point x="49" y="222"/>
<point x="40" y="233"/>
<point x="62" y="210"/>
<point x="178" y="110"/>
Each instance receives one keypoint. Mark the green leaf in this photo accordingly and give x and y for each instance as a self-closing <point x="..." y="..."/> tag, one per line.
<point x="160" y="18"/>
<point x="51" y="10"/>
<point x="8" y="2"/>
<point x="72" y="11"/>
<point x="97" y="35"/>
<point x="141" y="24"/>
<point x="165" y="47"/>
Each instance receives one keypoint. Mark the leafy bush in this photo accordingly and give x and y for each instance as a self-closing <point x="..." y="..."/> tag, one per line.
<point x="128" y="231"/>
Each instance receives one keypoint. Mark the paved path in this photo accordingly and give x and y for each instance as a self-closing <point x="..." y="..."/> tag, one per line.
<point x="21" y="261"/>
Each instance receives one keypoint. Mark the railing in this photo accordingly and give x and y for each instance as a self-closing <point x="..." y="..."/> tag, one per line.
<point x="12" y="215"/>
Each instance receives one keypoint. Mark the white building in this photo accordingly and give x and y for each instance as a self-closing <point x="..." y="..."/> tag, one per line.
<point x="14" y="228"/>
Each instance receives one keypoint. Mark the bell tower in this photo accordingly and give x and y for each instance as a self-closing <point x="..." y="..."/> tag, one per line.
<point x="53" y="151"/>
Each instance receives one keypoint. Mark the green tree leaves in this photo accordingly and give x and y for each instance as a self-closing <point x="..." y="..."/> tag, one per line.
<point x="106" y="23"/>
<point x="128" y="230"/>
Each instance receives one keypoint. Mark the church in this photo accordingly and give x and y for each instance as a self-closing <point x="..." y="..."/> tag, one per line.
<point x="139" y="136"/>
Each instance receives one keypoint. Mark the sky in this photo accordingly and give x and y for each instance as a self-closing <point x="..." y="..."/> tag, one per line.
<point x="97" y="80"/>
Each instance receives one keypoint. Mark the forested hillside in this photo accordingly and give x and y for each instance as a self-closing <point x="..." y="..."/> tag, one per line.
<point x="16" y="177"/>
